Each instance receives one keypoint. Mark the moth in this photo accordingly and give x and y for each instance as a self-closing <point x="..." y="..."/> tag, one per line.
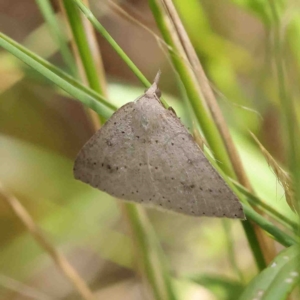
<point x="144" y="154"/>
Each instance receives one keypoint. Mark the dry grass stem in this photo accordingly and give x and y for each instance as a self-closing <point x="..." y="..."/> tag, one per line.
<point x="208" y="95"/>
<point x="282" y="176"/>
<point x="61" y="262"/>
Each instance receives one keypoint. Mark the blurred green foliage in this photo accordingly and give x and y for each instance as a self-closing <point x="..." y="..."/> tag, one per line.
<point x="42" y="129"/>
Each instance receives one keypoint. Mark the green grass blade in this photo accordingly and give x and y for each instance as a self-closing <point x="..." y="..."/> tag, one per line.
<point x="83" y="94"/>
<point x="254" y="200"/>
<point x="276" y="233"/>
<point x="284" y="282"/>
<point x="57" y="33"/>
<point x="276" y="281"/>
<point x="84" y="50"/>
<point x="222" y="287"/>
<point x="254" y="244"/>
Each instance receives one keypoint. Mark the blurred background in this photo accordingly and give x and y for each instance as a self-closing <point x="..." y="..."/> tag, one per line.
<point x="42" y="130"/>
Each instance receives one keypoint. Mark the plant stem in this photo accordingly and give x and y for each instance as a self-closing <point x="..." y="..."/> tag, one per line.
<point x="57" y="33"/>
<point x="279" y="235"/>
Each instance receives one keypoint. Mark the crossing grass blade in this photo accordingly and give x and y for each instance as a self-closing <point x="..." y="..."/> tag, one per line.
<point x="81" y="93"/>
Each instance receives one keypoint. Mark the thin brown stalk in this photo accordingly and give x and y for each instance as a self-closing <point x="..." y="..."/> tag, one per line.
<point x="130" y="13"/>
<point x="96" y="53"/>
<point x="208" y="95"/>
<point x="117" y="9"/>
<point x="61" y="262"/>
